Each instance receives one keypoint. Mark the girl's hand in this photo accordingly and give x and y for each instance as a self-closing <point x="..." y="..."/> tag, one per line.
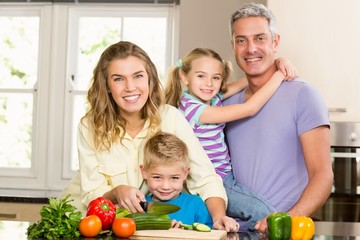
<point x="287" y="68"/>
<point x="226" y="223"/>
<point x="129" y="197"/>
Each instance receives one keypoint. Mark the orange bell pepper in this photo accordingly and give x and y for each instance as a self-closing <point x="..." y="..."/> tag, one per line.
<point x="302" y="228"/>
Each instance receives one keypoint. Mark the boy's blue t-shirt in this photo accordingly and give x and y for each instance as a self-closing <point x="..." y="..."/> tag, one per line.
<point x="192" y="209"/>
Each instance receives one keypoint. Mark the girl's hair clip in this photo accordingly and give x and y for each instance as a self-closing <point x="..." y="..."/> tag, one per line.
<point x="179" y="63"/>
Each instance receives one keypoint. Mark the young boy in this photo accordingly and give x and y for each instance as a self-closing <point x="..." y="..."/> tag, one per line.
<point x="165" y="168"/>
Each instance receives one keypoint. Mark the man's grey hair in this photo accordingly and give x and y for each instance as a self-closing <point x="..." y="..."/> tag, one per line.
<point x="254" y="10"/>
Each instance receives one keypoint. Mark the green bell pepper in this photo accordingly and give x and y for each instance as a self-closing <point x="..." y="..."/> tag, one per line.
<point x="279" y="226"/>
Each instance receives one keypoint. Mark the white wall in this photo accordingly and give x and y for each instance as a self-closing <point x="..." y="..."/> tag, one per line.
<point x="321" y="38"/>
<point x="205" y="23"/>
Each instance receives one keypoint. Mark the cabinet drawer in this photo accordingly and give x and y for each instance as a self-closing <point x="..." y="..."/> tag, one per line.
<point x="29" y="212"/>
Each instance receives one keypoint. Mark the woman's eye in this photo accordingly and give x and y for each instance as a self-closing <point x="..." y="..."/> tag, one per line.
<point x="118" y="79"/>
<point x="139" y="76"/>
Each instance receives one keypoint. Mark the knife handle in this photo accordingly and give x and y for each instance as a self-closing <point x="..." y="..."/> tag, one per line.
<point x="143" y="205"/>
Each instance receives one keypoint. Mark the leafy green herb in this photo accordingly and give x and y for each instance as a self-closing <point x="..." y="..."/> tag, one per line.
<point x="59" y="219"/>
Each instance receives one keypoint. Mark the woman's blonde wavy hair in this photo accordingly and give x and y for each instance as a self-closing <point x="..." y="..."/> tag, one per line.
<point x="104" y="115"/>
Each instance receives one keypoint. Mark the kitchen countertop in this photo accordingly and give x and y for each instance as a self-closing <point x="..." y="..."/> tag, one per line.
<point x="23" y="199"/>
<point x="324" y="230"/>
<point x="17" y="230"/>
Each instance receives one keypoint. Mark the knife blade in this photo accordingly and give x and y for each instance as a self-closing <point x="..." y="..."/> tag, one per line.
<point x="159" y="207"/>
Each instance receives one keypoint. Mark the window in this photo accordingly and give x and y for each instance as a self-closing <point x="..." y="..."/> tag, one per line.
<point x="22" y="86"/>
<point x="91" y="31"/>
<point x="19" y="77"/>
<point x="46" y="71"/>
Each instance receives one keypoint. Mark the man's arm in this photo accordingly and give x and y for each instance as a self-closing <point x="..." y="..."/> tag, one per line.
<point x="316" y="149"/>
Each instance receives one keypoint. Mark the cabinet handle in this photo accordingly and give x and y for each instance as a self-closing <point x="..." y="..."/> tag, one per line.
<point x="345" y="155"/>
<point x="8" y="215"/>
<point x="337" y="109"/>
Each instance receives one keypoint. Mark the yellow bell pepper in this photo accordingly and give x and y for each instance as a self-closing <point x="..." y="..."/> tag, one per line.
<point x="302" y="228"/>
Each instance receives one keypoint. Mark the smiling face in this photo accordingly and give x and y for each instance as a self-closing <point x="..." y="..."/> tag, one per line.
<point x="254" y="47"/>
<point x="165" y="182"/>
<point x="204" y="79"/>
<point x="128" y="84"/>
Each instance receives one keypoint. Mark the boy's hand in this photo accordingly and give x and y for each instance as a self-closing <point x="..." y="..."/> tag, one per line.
<point x="175" y="224"/>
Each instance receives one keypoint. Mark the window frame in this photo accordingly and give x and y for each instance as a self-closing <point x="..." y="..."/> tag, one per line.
<point x="50" y="146"/>
<point x="33" y="177"/>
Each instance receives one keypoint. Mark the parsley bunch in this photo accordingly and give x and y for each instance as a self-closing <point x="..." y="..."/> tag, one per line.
<point x="59" y="219"/>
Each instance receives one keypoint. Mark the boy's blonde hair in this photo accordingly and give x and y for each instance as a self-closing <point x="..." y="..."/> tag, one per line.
<point x="165" y="149"/>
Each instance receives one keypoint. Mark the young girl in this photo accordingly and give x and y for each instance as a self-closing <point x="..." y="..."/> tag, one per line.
<point x="205" y="75"/>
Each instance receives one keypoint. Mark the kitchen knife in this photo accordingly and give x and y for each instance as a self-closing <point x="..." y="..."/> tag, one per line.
<point x="159" y="207"/>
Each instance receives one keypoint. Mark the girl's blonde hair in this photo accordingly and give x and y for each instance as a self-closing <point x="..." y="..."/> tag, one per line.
<point x="174" y="88"/>
<point x="104" y="115"/>
<point x="165" y="149"/>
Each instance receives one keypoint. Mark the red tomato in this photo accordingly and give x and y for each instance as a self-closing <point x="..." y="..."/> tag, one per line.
<point x="123" y="227"/>
<point x="90" y="226"/>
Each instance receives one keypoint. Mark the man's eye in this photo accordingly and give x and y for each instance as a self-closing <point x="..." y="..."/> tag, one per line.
<point x="240" y="41"/>
<point x="261" y="39"/>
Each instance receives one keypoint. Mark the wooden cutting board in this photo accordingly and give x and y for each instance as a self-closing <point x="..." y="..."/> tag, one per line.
<point x="176" y="233"/>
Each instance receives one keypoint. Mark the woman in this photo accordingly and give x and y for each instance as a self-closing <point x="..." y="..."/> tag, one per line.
<point x="126" y="109"/>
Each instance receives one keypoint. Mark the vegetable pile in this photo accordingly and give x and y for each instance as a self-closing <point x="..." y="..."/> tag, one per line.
<point x="59" y="219"/>
<point x="282" y="226"/>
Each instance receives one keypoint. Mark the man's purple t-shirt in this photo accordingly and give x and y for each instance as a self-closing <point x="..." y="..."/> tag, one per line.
<point x="265" y="149"/>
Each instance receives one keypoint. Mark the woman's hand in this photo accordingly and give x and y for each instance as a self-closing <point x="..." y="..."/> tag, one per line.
<point x="127" y="197"/>
<point x="226" y="223"/>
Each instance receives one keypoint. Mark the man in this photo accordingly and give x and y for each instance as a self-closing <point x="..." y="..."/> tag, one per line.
<point x="283" y="152"/>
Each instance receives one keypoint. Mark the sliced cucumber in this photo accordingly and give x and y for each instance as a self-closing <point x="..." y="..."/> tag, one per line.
<point x="186" y="226"/>
<point x="201" y="227"/>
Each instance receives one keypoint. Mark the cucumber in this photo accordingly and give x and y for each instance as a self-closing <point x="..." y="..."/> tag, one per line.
<point x="151" y="221"/>
<point x="201" y="227"/>
<point x="186" y="226"/>
<point x="122" y="212"/>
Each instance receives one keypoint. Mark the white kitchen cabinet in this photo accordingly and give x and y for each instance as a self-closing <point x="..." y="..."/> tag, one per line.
<point x="322" y="39"/>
